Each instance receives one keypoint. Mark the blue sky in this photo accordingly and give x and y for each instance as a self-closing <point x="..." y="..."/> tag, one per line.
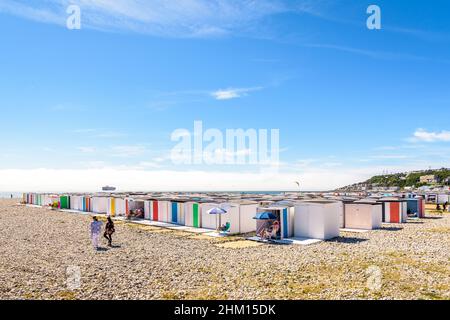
<point x="84" y="108"/>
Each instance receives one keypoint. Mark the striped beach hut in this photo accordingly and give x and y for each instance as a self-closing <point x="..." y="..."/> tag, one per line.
<point x="416" y="206"/>
<point x="36" y="199"/>
<point x="151" y="209"/>
<point x="394" y="210"/>
<point x="192" y="214"/>
<point x="118" y="206"/>
<point x="87" y="203"/>
<point x="64" y="201"/>
<point x="176" y="211"/>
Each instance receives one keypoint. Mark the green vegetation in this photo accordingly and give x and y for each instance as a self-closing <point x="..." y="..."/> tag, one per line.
<point x="411" y="179"/>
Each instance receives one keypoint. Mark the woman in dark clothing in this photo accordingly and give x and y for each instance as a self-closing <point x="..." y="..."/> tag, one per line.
<point x="109" y="230"/>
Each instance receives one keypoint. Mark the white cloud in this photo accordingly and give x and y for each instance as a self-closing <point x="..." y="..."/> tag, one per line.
<point x="98" y="133"/>
<point x="233" y="93"/>
<point x="127" y="151"/>
<point x="390" y="156"/>
<point x="381" y="55"/>
<point x="426" y="136"/>
<point x="134" y="179"/>
<point x="150" y="164"/>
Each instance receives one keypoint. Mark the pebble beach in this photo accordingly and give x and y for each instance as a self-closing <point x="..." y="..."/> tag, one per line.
<point x="39" y="247"/>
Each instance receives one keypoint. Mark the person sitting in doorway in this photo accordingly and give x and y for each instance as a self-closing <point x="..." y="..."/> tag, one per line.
<point x="137" y="214"/>
<point x="225" y="228"/>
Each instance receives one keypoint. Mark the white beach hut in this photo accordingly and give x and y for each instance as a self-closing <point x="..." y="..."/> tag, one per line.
<point x="394" y="210"/>
<point x="163" y="211"/>
<point x="99" y="204"/>
<point x="76" y="202"/>
<point x="282" y="227"/>
<point x="117" y="206"/>
<point x="210" y="221"/>
<point x="193" y="214"/>
<point x="239" y="216"/>
<point x="176" y="212"/>
<point x="247" y="213"/>
<point x="363" y="214"/>
<point x="317" y="219"/>
<point x="151" y="210"/>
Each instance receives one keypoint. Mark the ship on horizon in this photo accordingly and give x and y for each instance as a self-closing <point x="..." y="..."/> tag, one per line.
<point x="108" y="188"/>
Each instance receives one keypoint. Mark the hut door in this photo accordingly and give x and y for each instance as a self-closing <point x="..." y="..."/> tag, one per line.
<point x="285" y="224"/>
<point x="155" y="211"/>
<point x="174" y="212"/>
<point x="395" y="212"/>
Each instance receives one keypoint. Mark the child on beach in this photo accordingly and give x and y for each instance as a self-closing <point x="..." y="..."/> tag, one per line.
<point x="109" y="230"/>
<point x="96" y="228"/>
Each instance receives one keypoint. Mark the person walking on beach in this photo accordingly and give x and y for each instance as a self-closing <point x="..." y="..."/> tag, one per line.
<point x="96" y="228"/>
<point x="445" y="205"/>
<point x="109" y="230"/>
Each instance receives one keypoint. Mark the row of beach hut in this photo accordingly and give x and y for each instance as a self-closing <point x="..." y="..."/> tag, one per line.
<point x="302" y="218"/>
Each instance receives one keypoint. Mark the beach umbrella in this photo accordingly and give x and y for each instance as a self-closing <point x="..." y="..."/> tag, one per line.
<point x="265" y="216"/>
<point x="218" y="211"/>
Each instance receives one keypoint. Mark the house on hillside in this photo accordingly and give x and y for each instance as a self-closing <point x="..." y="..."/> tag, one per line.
<point x="428" y="179"/>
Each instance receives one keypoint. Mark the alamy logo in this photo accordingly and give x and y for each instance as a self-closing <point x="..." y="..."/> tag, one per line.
<point x="73" y="22"/>
<point x="234" y="146"/>
<point x="374" y="278"/>
<point x="374" y="20"/>
<point x="73" y="277"/>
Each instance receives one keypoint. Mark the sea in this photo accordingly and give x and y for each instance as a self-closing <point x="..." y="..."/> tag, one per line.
<point x="7" y="195"/>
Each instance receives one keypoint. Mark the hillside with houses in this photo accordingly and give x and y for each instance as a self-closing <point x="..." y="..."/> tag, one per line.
<point x="416" y="180"/>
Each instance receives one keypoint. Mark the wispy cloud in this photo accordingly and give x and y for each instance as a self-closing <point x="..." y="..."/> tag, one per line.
<point x="429" y="136"/>
<point x="391" y="156"/>
<point x="127" y="151"/>
<point x="83" y="130"/>
<point x="109" y="134"/>
<point x="150" y="164"/>
<point x="233" y="93"/>
<point x="382" y="55"/>
<point x="87" y="149"/>
<point x="421" y="34"/>
<point x="177" y="18"/>
<point x="98" y="133"/>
